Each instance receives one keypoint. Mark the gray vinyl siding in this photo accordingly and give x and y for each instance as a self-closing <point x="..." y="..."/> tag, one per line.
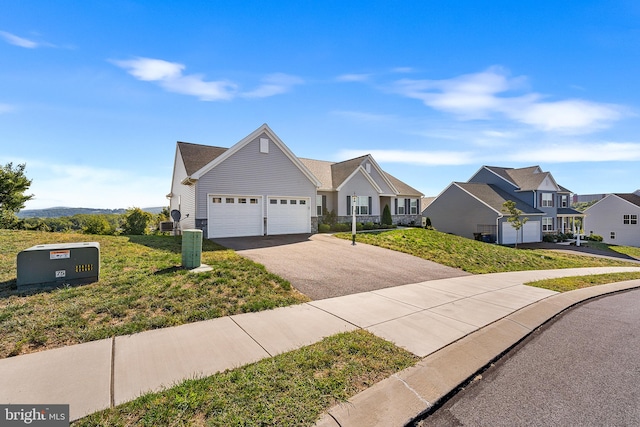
<point x="183" y="196"/>
<point x="359" y="185"/>
<point x="456" y="212"/>
<point x="250" y="172"/>
<point x="606" y="216"/>
<point x="378" y="179"/>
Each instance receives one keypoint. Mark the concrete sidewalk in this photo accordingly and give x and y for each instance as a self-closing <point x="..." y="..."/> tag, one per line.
<point x="422" y="318"/>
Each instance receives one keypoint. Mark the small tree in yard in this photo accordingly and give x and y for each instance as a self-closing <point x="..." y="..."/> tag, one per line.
<point x="386" y="216"/>
<point x="515" y="218"/>
<point x="13" y="184"/>
<point x="136" y="221"/>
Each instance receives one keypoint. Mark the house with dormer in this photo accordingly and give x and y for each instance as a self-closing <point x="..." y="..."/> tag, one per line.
<point x="475" y="208"/>
<point x="259" y="187"/>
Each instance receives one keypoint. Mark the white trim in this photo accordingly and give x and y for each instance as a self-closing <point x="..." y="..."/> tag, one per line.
<point x="246" y="140"/>
<point x="365" y="174"/>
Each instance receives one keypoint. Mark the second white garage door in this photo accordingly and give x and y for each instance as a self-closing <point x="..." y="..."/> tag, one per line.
<point x="234" y="216"/>
<point x="528" y="234"/>
<point x="288" y="215"/>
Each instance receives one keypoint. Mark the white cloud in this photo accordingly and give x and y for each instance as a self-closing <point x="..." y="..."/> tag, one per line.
<point x="573" y="152"/>
<point x="274" y="84"/>
<point x="483" y="95"/>
<point x="362" y="116"/>
<point x="18" y="41"/>
<point x="6" y="108"/>
<point x="423" y="158"/>
<point x="85" y="186"/>
<point x="353" y="77"/>
<point x="169" y="75"/>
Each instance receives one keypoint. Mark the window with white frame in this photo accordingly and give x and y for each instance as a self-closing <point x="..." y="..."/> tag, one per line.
<point x="564" y="201"/>
<point x="547" y="200"/>
<point x="362" y="205"/>
<point x="400" y="206"/>
<point x="613" y="235"/>
<point x="319" y="205"/>
<point x="630" y="219"/>
<point x="414" y="206"/>
<point x="547" y="224"/>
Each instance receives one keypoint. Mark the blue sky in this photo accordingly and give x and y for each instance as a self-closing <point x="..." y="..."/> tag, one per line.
<point x="95" y="94"/>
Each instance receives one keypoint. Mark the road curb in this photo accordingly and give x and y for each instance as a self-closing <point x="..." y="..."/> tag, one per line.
<point x="409" y="394"/>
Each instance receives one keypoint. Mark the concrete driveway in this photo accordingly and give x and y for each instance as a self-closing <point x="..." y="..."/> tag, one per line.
<point x="322" y="266"/>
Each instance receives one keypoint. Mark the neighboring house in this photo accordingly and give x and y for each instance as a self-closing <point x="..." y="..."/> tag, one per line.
<point x="259" y="187"/>
<point x="615" y="218"/>
<point x="474" y="208"/>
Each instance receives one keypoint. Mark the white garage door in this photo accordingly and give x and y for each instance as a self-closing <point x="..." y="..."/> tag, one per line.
<point x="528" y="234"/>
<point x="288" y="215"/>
<point x="234" y="216"/>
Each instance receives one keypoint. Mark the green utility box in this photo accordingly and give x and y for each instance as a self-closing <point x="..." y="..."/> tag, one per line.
<point x="58" y="264"/>
<point x="191" y="248"/>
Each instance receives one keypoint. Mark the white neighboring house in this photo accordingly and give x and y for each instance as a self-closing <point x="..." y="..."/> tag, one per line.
<point x="615" y="218"/>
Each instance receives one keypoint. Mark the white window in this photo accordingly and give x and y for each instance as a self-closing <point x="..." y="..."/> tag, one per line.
<point x="564" y="201"/>
<point x="303" y="202"/>
<point x="400" y="206"/>
<point x="273" y="201"/>
<point x="547" y="200"/>
<point x="293" y="202"/>
<point x="613" y="235"/>
<point x="230" y="200"/>
<point x="630" y="219"/>
<point x="283" y="201"/>
<point x="242" y="200"/>
<point x="253" y="201"/>
<point x="547" y="224"/>
<point x="217" y="200"/>
<point x="414" y="206"/>
<point x="319" y="205"/>
<point x="362" y="205"/>
<point x="264" y="145"/>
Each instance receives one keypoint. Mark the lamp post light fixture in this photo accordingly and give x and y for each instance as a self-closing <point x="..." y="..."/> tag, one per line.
<point x="354" y="203"/>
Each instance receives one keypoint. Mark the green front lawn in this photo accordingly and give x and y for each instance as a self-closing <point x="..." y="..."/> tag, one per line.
<point x="292" y="389"/>
<point x="473" y="256"/>
<point x="141" y="287"/>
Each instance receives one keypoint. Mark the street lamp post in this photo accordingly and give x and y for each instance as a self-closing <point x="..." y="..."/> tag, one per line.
<point x="354" y="203"/>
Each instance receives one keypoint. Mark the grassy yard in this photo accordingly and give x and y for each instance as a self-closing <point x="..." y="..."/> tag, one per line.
<point x="565" y="284"/>
<point x="292" y="389"/>
<point x="473" y="256"/>
<point x="141" y="287"/>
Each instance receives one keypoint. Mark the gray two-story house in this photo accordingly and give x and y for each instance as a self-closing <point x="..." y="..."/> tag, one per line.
<point x="475" y="208"/>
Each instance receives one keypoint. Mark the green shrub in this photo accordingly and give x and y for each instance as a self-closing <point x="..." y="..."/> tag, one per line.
<point x="549" y="238"/>
<point x="97" y="224"/>
<point x="595" y="237"/>
<point x="369" y="226"/>
<point x="324" y="228"/>
<point x="386" y="215"/>
<point x="341" y="227"/>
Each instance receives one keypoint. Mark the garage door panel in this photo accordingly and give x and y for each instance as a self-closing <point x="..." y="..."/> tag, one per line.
<point x="235" y="216"/>
<point x="529" y="233"/>
<point x="288" y="215"/>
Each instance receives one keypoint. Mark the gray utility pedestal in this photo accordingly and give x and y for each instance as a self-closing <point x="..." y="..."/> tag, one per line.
<point x="58" y="264"/>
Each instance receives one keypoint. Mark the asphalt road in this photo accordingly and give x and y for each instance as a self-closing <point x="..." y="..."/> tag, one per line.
<point x="582" y="369"/>
<point x="323" y="266"/>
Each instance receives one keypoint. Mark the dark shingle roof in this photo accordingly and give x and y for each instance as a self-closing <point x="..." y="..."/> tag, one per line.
<point x="495" y="197"/>
<point x="630" y="197"/>
<point x="196" y="156"/>
<point x="403" y="188"/>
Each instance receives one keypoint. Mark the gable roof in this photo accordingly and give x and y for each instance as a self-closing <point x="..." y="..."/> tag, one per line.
<point x="333" y="175"/>
<point x="264" y="129"/>
<point x="632" y="198"/>
<point x="526" y="179"/>
<point x="196" y="156"/>
<point x="494" y="197"/>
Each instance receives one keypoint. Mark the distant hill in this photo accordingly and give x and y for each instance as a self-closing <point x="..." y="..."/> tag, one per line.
<point x="64" y="211"/>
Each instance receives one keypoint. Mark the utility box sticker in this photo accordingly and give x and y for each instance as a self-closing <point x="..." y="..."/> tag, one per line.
<point x="66" y="254"/>
<point x="61" y="273"/>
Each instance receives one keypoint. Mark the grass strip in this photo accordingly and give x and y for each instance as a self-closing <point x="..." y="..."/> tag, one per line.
<point x="292" y="389"/>
<point x="473" y="256"/>
<point x="565" y="284"/>
<point x="141" y="287"/>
